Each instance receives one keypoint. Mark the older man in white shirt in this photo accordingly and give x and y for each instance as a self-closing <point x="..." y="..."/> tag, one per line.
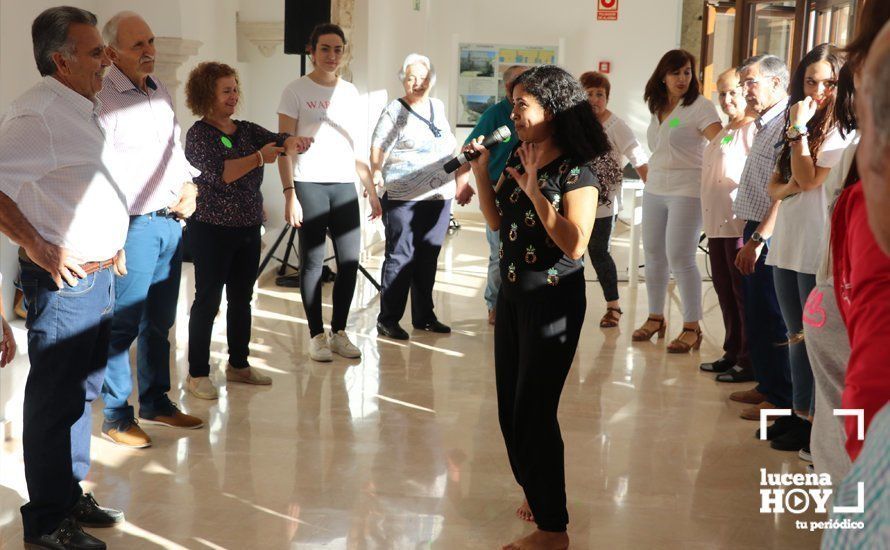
<point x="138" y="118"/>
<point x="60" y="202"/>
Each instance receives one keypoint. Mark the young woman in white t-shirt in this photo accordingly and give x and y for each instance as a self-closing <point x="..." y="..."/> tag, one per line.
<point x="683" y="121"/>
<point x="319" y="185"/>
<point x="625" y="147"/>
<point x="813" y="145"/>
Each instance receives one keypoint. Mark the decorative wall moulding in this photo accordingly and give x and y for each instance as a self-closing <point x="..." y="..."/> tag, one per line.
<point x="266" y="36"/>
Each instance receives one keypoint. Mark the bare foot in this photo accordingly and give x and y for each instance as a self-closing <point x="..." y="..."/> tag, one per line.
<point x="524" y="512"/>
<point x="540" y="540"/>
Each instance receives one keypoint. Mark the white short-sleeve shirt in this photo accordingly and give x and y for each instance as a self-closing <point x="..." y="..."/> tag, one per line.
<point x="722" y="164"/>
<point x="58" y="167"/>
<point x="677" y="144"/>
<point x="331" y="115"/>
<point x="625" y="148"/>
<point x="797" y="238"/>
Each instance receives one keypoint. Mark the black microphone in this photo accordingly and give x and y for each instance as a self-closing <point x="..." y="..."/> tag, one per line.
<point x="500" y="135"/>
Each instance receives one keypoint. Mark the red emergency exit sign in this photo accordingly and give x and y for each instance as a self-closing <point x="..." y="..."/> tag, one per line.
<point x="607" y="10"/>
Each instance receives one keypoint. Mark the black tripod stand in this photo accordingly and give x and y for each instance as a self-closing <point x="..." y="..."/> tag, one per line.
<point x="293" y="280"/>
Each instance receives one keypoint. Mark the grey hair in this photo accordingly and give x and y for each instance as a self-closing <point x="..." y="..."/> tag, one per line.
<point x="49" y="33"/>
<point x="513" y="72"/>
<point x="770" y="66"/>
<point x="109" y="31"/>
<point x="414" y="58"/>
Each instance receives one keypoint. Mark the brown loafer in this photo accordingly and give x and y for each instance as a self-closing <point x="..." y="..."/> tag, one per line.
<point x="751" y="397"/>
<point x="126" y="434"/>
<point x="753" y="413"/>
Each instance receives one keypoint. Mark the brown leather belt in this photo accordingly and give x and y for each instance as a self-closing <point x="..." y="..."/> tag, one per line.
<point x="89" y="267"/>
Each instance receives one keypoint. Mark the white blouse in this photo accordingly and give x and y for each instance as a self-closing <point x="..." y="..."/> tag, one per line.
<point x="797" y="238"/>
<point x="677" y="145"/>
<point x="722" y="164"/>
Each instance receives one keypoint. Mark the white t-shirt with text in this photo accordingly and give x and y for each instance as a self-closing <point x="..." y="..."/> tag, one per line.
<point x="330" y="115"/>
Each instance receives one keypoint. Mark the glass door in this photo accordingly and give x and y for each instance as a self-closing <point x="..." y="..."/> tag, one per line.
<point x="830" y="21"/>
<point x="772" y="29"/>
<point x="718" y="28"/>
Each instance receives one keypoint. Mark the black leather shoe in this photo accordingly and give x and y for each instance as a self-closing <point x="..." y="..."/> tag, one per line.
<point x="794" y="439"/>
<point x="68" y="536"/>
<point x="735" y="375"/>
<point x="720" y="365"/>
<point x="781" y="426"/>
<point x="88" y="513"/>
<point x="434" y="326"/>
<point x="393" y="331"/>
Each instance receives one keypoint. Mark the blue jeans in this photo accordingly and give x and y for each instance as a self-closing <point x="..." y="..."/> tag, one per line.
<point x="493" y="282"/>
<point x="792" y="290"/>
<point x="68" y="333"/>
<point x="766" y="330"/>
<point x="145" y="308"/>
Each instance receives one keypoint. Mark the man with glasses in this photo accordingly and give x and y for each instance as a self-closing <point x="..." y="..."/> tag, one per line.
<point x="765" y="80"/>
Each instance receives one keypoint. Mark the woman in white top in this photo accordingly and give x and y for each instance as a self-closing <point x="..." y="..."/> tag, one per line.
<point x="319" y="185"/>
<point x="683" y="122"/>
<point x="722" y="164"/>
<point x="625" y="147"/>
<point x="813" y="145"/>
<point x="410" y="144"/>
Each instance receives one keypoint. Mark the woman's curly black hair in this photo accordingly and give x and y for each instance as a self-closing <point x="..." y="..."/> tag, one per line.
<point x="578" y="132"/>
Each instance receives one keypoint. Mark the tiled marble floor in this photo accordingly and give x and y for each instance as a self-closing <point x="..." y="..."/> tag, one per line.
<point x="401" y="449"/>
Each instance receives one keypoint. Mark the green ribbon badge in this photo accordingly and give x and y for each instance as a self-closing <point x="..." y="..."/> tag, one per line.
<point x="726" y="140"/>
<point x="226" y="141"/>
<point x="674" y="123"/>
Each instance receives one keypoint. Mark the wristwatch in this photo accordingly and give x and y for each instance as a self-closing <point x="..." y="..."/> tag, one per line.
<point x="757" y="237"/>
<point x="794" y="133"/>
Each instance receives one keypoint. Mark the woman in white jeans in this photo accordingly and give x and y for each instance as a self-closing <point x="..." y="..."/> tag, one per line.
<point x="683" y="121"/>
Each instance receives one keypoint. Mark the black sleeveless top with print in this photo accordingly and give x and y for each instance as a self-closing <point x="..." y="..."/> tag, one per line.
<point x="530" y="261"/>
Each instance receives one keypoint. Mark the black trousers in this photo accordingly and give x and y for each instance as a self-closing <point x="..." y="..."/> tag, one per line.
<point x="224" y="257"/>
<point x="598" y="249"/>
<point x="328" y="208"/>
<point x="534" y="345"/>
<point x="415" y="231"/>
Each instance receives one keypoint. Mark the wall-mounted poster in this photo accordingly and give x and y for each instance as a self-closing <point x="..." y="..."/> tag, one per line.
<point x="481" y="79"/>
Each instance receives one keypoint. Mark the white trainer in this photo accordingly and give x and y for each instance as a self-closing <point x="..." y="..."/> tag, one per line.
<point x="201" y="387"/>
<point x="319" y="349"/>
<point x="341" y="345"/>
<point x="247" y="376"/>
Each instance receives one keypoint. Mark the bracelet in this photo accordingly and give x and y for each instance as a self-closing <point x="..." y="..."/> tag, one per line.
<point x="262" y="162"/>
<point x="287" y="188"/>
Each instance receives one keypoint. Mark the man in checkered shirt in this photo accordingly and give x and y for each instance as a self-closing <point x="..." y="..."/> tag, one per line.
<point x="765" y="80"/>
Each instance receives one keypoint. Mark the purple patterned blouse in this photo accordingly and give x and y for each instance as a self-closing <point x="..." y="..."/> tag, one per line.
<point x="236" y="204"/>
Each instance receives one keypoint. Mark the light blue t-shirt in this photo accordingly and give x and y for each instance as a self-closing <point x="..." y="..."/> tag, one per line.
<point x="413" y="155"/>
<point x="493" y="118"/>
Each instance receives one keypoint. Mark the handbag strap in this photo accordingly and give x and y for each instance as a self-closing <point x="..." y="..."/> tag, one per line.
<point x="429" y="122"/>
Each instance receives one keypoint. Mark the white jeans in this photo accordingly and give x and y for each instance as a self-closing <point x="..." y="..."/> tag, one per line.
<point x="671" y="230"/>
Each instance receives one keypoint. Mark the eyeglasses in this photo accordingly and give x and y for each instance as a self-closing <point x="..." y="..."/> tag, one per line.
<point x="751" y="82"/>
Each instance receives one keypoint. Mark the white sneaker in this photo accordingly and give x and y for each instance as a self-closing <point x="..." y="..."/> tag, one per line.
<point x="341" y="345"/>
<point x="319" y="350"/>
<point x="201" y="387"/>
<point x="247" y="376"/>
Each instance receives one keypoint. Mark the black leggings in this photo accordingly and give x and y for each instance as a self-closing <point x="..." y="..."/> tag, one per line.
<point x="601" y="259"/>
<point x="534" y="345"/>
<point x="328" y="207"/>
<point x="223" y="257"/>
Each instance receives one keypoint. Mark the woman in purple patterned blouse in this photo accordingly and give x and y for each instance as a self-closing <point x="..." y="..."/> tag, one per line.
<point x="224" y="232"/>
